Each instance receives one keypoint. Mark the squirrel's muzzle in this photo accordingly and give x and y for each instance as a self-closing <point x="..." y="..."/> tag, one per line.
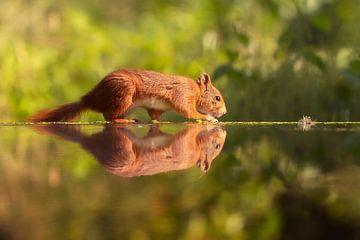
<point x="221" y="112"/>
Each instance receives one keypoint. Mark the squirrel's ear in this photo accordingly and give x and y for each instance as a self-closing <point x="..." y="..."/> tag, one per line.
<point x="204" y="79"/>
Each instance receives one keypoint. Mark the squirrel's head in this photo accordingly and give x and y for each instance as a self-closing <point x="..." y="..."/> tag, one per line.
<point x="211" y="101"/>
<point x="211" y="143"/>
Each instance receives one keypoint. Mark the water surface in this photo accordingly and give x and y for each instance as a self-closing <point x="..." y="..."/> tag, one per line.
<point x="179" y="181"/>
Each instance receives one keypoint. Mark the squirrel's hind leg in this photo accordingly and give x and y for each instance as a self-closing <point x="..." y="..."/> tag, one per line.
<point x="155" y="114"/>
<point x="121" y="104"/>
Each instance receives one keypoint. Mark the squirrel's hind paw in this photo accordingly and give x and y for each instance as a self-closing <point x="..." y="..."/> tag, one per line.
<point x="122" y="120"/>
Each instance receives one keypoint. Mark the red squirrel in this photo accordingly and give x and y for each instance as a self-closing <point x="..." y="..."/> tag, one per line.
<point x="124" y="154"/>
<point x="121" y="91"/>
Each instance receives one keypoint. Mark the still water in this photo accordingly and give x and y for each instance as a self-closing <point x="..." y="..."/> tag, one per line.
<point x="179" y="181"/>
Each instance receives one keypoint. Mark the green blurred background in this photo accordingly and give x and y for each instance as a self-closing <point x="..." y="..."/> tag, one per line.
<point x="272" y="59"/>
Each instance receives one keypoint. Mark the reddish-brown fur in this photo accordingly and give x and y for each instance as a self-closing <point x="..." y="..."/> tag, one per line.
<point x="123" y="90"/>
<point x="124" y="154"/>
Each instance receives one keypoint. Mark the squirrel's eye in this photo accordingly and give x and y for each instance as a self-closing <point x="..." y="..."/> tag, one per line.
<point x="217" y="146"/>
<point x="217" y="98"/>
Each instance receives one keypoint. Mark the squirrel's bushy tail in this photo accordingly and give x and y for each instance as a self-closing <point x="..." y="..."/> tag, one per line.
<point x="63" y="113"/>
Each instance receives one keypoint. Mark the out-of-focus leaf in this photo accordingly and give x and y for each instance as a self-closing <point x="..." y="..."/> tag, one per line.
<point x="221" y="70"/>
<point x="322" y="22"/>
<point x="244" y="39"/>
<point x="352" y="73"/>
<point x="355" y="66"/>
<point x="315" y="60"/>
<point x="232" y="54"/>
<point x="270" y="6"/>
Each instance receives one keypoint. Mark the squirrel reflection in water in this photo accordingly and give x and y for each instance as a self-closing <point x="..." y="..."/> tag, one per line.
<point x="124" y="154"/>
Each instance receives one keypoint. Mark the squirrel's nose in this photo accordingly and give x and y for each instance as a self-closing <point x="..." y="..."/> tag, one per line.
<point x="224" y="110"/>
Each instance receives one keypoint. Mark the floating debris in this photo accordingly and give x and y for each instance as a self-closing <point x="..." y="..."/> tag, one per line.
<point x="306" y="123"/>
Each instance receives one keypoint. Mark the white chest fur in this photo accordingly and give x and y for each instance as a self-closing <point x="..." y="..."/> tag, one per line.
<point x="153" y="103"/>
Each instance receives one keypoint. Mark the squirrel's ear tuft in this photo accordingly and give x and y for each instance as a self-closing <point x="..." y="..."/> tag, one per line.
<point x="204" y="79"/>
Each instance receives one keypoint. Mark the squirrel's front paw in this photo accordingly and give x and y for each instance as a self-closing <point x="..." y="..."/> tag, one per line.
<point x="207" y="118"/>
<point x="211" y="119"/>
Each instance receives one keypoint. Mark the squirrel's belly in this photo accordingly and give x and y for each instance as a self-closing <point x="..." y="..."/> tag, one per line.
<point x="153" y="103"/>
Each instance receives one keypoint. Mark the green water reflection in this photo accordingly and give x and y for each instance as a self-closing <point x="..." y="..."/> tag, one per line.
<point x="202" y="182"/>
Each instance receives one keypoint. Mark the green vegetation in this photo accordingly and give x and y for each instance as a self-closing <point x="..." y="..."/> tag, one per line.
<point x="273" y="60"/>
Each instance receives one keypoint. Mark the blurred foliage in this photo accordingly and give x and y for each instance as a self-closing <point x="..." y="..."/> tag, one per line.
<point x="273" y="60"/>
